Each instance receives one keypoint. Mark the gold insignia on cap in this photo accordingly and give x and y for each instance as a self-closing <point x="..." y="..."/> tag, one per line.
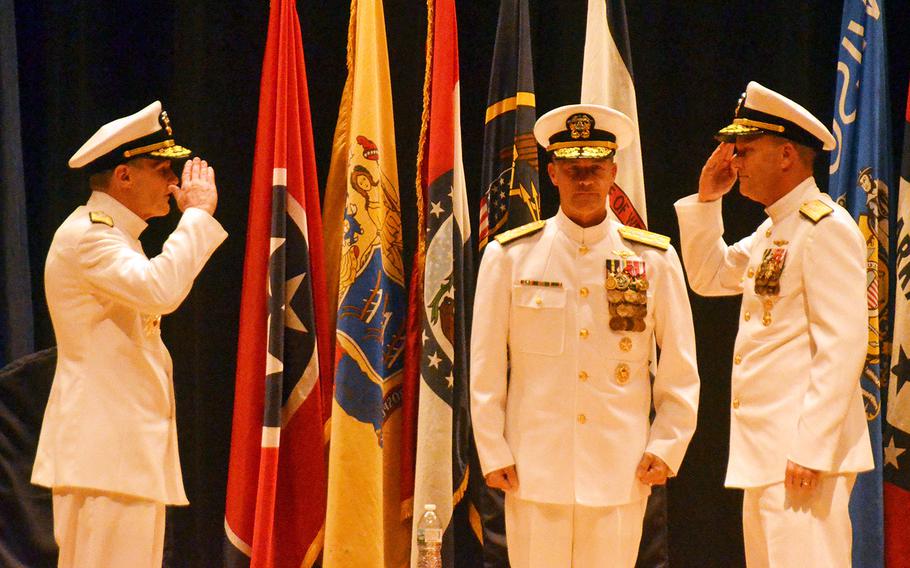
<point x="101" y="217"/>
<point x="592" y="150"/>
<point x="580" y="125"/>
<point x="518" y="232"/>
<point x="645" y="237"/>
<point x="167" y="123"/>
<point x="816" y="210"/>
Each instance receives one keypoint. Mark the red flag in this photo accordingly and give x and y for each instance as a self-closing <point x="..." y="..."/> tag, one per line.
<point x="276" y="494"/>
<point x="896" y="393"/>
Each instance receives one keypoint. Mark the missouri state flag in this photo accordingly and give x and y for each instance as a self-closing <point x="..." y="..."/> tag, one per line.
<point x="443" y="425"/>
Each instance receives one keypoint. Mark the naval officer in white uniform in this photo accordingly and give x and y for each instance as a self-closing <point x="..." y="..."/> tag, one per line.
<point x="565" y="314"/>
<point x="798" y="432"/>
<point x="108" y="443"/>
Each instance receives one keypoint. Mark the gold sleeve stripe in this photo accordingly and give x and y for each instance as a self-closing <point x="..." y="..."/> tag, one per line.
<point x="510" y="104"/>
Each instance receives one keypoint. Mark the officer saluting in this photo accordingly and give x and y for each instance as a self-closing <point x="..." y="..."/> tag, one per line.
<point x="564" y="317"/>
<point x="798" y="431"/>
<point x="108" y="444"/>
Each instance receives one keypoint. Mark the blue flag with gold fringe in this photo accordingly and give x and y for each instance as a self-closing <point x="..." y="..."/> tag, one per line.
<point x="509" y="177"/>
<point x="861" y="181"/>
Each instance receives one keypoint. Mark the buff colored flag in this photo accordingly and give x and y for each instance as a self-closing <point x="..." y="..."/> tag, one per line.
<point x="365" y="523"/>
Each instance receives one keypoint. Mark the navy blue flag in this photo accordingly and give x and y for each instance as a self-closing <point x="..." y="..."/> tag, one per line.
<point x="861" y="181"/>
<point x="16" y="331"/>
<point x="509" y="179"/>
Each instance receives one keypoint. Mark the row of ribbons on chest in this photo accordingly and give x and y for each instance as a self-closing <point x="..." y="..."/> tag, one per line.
<point x="627" y="294"/>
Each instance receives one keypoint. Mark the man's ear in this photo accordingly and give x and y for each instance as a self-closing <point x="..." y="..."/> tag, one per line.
<point x="788" y="156"/>
<point x="551" y="170"/>
<point x="121" y="175"/>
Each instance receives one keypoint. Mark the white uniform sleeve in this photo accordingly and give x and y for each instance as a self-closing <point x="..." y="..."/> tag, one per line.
<point x="156" y="285"/>
<point x="489" y="359"/>
<point x="834" y="276"/>
<point x="676" y="383"/>
<point x="713" y="268"/>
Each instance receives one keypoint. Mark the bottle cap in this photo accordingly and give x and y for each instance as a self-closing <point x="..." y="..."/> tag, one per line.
<point x="429" y="507"/>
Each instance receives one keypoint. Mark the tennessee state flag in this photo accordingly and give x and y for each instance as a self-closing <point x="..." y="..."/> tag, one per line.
<point x="276" y="490"/>
<point x="365" y="521"/>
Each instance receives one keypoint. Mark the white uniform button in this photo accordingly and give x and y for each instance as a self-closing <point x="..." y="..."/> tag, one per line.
<point x="583" y="291"/>
<point x="747" y="316"/>
<point x="738" y="359"/>
<point x="582" y="376"/>
<point x="625" y="344"/>
<point x="583" y="249"/>
<point x="735" y="403"/>
<point x="622" y="374"/>
<point x="583" y="333"/>
<point x="768" y="232"/>
<point x="538" y="300"/>
<point x="582" y="419"/>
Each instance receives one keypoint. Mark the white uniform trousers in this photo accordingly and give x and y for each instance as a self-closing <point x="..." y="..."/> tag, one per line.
<point x="95" y="529"/>
<point x="572" y="536"/>
<point x="782" y="532"/>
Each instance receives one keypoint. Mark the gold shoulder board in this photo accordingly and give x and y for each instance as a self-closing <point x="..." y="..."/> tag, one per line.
<point x="645" y="237"/>
<point x="815" y="210"/>
<point x="101" y="217"/>
<point x="519" y="232"/>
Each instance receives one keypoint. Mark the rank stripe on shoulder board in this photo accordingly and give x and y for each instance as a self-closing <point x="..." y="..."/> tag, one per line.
<point x="518" y="232"/>
<point x="645" y="237"/>
<point x="816" y="210"/>
<point x="101" y="217"/>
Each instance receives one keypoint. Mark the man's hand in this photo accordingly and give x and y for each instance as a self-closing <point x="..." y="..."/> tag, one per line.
<point x="801" y="480"/>
<point x="652" y="470"/>
<point x="505" y="479"/>
<point x="718" y="174"/>
<point x="197" y="187"/>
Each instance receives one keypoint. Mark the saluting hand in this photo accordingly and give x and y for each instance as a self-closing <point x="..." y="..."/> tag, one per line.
<point x="197" y="188"/>
<point x="505" y="479"/>
<point x="718" y="174"/>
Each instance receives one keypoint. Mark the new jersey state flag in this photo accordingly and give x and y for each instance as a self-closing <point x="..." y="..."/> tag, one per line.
<point x="276" y="490"/>
<point x="365" y="525"/>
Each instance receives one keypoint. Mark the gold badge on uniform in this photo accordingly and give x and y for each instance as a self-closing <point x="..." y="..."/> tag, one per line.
<point x="627" y="286"/>
<point x="767" y="279"/>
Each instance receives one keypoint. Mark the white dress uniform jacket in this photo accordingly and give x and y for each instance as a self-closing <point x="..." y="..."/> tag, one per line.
<point x="548" y="393"/>
<point x="109" y="423"/>
<point x="795" y="384"/>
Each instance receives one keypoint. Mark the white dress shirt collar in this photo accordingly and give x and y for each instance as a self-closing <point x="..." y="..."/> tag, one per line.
<point x="805" y="191"/>
<point x="128" y="221"/>
<point x="579" y="234"/>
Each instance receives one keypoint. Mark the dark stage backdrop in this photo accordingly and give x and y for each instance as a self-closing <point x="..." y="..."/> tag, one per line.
<point x="84" y="63"/>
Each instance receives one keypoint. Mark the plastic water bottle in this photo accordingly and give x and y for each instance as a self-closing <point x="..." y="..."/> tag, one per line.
<point x="429" y="539"/>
